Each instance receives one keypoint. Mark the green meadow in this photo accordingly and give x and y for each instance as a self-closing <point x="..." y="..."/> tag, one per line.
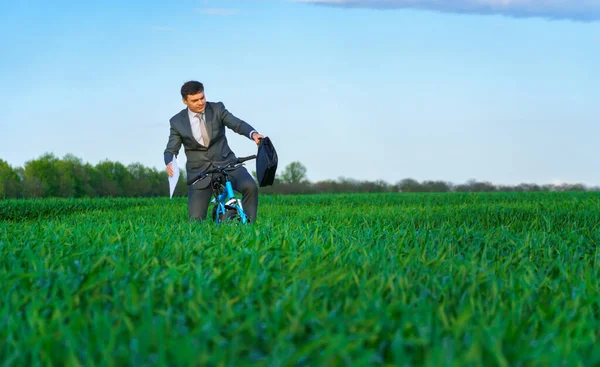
<point x="452" y="279"/>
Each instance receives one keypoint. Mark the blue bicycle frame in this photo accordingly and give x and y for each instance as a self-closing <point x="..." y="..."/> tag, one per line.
<point x="228" y="198"/>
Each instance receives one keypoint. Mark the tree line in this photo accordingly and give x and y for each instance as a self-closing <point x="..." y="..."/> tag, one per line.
<point x="293" y="180"/>
<point x="69" y="177"/>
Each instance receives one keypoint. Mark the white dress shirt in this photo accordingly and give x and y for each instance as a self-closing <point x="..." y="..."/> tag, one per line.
<point x="195" y="123"/>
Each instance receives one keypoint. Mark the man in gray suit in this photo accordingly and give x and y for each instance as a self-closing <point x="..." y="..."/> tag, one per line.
<point x="201" y="129"/>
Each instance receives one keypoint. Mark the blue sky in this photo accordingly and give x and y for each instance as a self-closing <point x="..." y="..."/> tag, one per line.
<point x="504" y="91"/>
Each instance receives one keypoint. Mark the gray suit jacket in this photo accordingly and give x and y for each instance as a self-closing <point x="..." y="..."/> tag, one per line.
<point x="199" y="157"/>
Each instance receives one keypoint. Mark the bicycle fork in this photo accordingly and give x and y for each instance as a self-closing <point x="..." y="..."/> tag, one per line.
<point x="227" y="198"/>
<point x="234" y="202"/>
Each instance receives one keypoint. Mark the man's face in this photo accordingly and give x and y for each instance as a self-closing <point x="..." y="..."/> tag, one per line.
<point x="196" y="102"/>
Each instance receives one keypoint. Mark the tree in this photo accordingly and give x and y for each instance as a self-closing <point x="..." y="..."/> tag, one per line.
<point x="41" y="176"/>
<point x="435" y="186"/>
<point x="111" y="178"/>
<point x="473" y="185"/>
<point x="72" y="177"/>
<point x="10" y="183"/>
<point x="409" y="185"/>
<point x="141" y="180"/>
<point x="294" y="172"/>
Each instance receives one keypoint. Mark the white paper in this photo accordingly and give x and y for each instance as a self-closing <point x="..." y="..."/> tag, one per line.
<point x="173" y="180"/>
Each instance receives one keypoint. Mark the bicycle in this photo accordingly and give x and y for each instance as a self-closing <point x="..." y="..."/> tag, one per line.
<point x="227" y="208"/>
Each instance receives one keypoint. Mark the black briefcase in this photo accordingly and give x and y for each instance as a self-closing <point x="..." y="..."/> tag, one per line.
<point x="266" y="162"/>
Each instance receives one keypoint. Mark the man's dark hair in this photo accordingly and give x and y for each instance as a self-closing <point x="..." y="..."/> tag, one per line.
<point x="191" y="87"/>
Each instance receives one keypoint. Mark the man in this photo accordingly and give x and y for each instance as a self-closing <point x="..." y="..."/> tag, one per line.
<point x="201" y="129"/>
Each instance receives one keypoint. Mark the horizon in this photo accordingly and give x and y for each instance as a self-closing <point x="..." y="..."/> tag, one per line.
<point x="341" y="179"/>
<point x="492" y="91"/>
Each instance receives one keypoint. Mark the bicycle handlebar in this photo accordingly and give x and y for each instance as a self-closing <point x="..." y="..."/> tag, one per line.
<point x="220" y="169"/>
<point x="244" y="159"/>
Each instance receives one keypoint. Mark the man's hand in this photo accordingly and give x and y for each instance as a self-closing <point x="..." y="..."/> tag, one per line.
<point x="170" y="169"/>
<point x="256" y="137"/>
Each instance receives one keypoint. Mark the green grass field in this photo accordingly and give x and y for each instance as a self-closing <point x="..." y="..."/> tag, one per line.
<point x="390" y="279"/>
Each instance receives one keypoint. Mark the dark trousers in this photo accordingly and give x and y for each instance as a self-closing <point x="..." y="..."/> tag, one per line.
<point x="242" y="182"/>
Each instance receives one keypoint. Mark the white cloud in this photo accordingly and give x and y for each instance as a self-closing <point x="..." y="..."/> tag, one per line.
<point x="581" y="10"/>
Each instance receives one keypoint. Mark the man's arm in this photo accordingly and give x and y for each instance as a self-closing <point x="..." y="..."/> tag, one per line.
<point x="238" y="125"/>
<point x="172" y="149"/>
